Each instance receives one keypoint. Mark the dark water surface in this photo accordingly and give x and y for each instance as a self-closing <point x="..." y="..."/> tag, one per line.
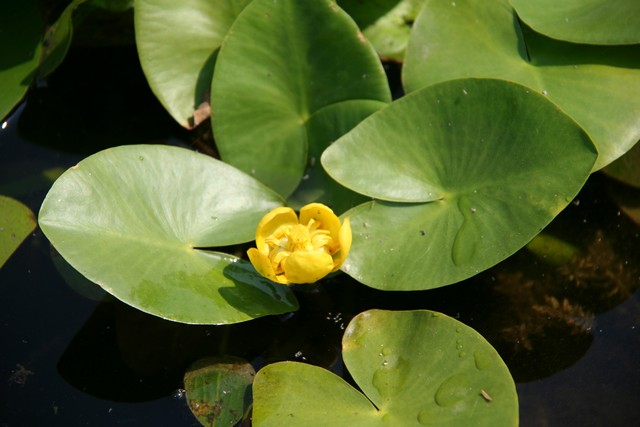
<point x="570" y="334"/>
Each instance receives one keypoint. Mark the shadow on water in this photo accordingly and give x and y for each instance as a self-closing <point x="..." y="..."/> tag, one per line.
<point x="125" y="355"/>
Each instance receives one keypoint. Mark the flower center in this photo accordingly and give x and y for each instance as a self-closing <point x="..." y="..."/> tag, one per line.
<point x="291" y="238"/>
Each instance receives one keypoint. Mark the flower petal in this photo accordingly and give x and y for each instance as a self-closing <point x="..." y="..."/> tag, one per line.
<point x="270" y="223"/>
<point x="324" y="215"/>
<point x="307" y="266"/>
<point x="345" y="244"/>
<point x="262" y="264"/>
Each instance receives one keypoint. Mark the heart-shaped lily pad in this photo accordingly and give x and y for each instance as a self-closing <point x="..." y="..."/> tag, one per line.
<point x="178" y="42"/>
<point x="415" y="368"/>
<point x="479" y="166"/>
<point x="284" y="65"/>
<point x="583" y="21"/>
<point x="596" y="85"/>
<point x="137" y="221"/>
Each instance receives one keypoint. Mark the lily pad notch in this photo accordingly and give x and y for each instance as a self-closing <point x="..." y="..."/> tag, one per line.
<point x="466" y="173"/>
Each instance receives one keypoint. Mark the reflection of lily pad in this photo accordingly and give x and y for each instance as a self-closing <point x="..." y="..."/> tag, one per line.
<point x="596" y="85"/>
<point x="583" y="21"/>
<point x="414" y="368"/>
<point x="16" y="222"/>
<point x="137" y="221"/>
<point x="288" y="73"/>
<point x="479" y="166"/>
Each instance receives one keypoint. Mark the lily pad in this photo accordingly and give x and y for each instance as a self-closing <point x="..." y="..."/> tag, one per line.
<point x="16" y="222"/>
<point x="177" y="44"/>
<point x="219" y="390"/>
<point x="282" y="64"/>
<point x="385" y="23"/>
<point x="414" y="368"/>
<point x="138" y="220"/>
<point x="21" y="28"/>
<point x="476" y="169"/>
<point x="595" y="85"/>
<point x="583" y="21"/>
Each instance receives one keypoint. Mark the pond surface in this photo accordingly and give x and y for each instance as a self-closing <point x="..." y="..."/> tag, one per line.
<point x="72" y="356"/>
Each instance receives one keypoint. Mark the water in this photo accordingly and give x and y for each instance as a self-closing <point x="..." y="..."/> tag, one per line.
<point x="569" y="337"/>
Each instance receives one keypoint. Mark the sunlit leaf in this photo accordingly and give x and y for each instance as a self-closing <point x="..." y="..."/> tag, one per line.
<point x="477" y="168"/>
<point x="138" y="220"/>
<point x="178" y="42"/>
<point x="285" y="65"/>
<point x="414" y="368"/>
<point x="595" y="85"/>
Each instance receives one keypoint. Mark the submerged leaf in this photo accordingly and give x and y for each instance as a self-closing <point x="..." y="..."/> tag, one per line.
<point x="219" y="390"/>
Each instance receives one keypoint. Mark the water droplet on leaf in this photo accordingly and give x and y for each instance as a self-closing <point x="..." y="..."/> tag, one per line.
<point x="453" y="390"/>
<point x="482" y="360"/>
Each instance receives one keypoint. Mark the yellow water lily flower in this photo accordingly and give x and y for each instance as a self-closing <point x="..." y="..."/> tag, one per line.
<point x="292" y="250"/>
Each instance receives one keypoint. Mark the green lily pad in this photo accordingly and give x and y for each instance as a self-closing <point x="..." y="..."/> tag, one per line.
<point x="583" y="21"/>
<point x="138" y="220"/>
<point x="21" y="28"/>
<point x="415" y="368"/>
<point x="328" y="125"/>
<point x="478" y="167"/>
<point x="385" y="23"/>
<point x="177" y="43"/>
<point x="596" y="85"/>
<point x="219" y="390"/>
<point x="16" y="223"/>
<point x="282" y="64"/>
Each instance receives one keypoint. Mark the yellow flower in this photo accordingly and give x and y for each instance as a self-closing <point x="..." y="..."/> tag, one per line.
<point x="300" y="251"/>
